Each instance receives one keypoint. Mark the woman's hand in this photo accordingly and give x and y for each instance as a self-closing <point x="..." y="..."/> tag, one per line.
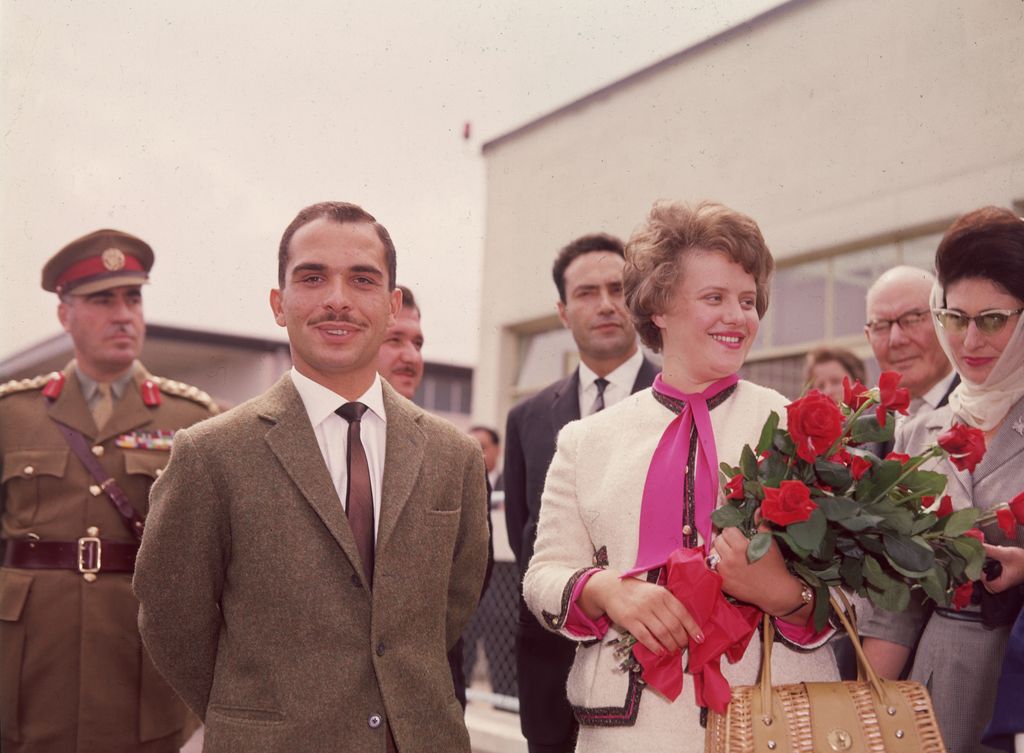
<point x="648" y="611"/>
<point x="1012" y="559"/>
<point x="766" y="583"/>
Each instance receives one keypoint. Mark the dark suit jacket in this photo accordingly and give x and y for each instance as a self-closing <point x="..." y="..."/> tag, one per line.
<point x="530" y="435"/>
<point x="543" y="659"/>
<point x="254" y="605"/>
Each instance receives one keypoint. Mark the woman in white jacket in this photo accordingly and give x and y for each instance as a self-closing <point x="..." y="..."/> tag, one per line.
<point x="633" y="483"/>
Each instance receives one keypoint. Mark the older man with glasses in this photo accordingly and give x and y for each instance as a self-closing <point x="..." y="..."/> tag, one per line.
<point x="903" y="339"/>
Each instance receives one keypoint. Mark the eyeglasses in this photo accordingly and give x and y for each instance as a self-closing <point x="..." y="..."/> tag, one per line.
<point x="988" y="322"/>
<point x="908" y="320"/>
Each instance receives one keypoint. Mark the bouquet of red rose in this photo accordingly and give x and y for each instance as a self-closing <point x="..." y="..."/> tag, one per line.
<point x="843" y="516"/>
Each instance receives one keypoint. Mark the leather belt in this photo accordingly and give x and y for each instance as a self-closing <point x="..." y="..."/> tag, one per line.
<point x="962" y="616"/>
<point x="89" y="554"/>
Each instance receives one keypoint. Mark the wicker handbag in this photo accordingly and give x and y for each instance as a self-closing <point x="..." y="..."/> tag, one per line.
<point x="867" y="716"/>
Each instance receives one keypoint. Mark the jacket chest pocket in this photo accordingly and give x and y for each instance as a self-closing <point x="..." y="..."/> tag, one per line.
<point x="148" y="463"/>
<point x="29" y="477"/>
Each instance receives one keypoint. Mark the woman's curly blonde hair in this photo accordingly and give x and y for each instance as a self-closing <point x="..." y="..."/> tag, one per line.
<point x="656" y="251"/>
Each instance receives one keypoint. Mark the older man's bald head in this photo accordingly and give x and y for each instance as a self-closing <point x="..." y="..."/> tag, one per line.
<point x="900" y="330"/>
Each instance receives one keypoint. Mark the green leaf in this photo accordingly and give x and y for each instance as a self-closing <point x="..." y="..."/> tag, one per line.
<point x="795" y="548"/>
<point x="895" y="597"/>
<point x="924" y="523"/>
<point x="960" y="521"/>
<point x="884" y="475"/>
<point x="748" y="462"/>
<point x="973" y="554"/>
<point x="727" y="471"/>
<point x="822" y="607"/>
<point x="835" y="475"/>
<point x="875" y="575"/>
<point x="851" y="571"/>
<point x="784" y="443"/>
<point x="838" y="508"/>
<point x="759" y="546"/>
<point x="727" y="516"/>
<point x="810" y="532"/>
<point x="935" y="585"/>
<point x="773" y="470"/>
<point x="861" y="522"/>
<point x="765" y="442"/>
<point x="896" y="519"/>
<point x="867" y="429"/>
<point x="928" y="483"/>
<point x="907" y="555"/>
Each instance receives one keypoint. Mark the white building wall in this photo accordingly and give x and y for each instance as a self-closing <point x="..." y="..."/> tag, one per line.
<point x="828" y="121"/>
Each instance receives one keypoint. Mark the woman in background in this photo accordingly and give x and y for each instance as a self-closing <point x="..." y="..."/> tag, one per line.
<point x="825" y="368"/>
<point x="977" y="307"/>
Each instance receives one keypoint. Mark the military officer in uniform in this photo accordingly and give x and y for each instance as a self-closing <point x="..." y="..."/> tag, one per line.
<point x="79" y="450"/>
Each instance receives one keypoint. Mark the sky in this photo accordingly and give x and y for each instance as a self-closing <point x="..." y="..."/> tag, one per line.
<point x="203" y="127"/>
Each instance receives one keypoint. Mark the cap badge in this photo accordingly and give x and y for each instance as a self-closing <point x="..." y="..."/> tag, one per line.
<point x="113" y="259"/>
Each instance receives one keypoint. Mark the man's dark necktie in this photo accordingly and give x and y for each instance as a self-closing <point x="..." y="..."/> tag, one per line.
<point x="601" y="383"/>
<point x="359" y="495"/>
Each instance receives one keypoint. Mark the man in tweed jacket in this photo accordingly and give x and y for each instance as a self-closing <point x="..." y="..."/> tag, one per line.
<point x="256" y="603"/>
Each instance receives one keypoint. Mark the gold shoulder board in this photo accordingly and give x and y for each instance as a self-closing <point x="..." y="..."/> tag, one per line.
<point x="187" y="391"/>
<point x="23" y="385"/>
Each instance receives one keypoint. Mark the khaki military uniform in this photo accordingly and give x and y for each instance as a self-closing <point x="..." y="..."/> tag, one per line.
<point x="73" y="674"/>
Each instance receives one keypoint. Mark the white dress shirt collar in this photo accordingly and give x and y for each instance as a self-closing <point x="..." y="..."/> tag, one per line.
<point x="331" y="431"/>
<point x="620" y="383"/>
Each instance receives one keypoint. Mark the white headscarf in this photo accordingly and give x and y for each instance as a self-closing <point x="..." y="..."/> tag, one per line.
<point x="984" y="405"/>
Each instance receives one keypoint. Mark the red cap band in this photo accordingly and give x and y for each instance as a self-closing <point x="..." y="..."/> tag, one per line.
<point x="94" y="267"/>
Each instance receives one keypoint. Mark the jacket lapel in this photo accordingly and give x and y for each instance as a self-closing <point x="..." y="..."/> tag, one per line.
<point x="1006" y="445"/>
<point x="645" y="377"/>
<point x="292" y="440"/>
<point x="403" y="456"/>
<point x="70" y="407"/>
<point x="566" y="405"/>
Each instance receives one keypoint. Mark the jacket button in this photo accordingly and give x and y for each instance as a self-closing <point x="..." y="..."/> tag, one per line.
<point x="380" y="649"/>
<point x="374" y="721"/>
<point x="95" y="490"/>
<point x="355" y="581"/>
<point x="687" y="529"/>
<point x="28" y="470"/>
<point x="97" y="450"/>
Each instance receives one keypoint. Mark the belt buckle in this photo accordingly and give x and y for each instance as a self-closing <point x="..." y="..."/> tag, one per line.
<point x="90" y="549"/>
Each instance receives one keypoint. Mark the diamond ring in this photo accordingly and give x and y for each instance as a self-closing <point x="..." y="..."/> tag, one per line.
<point x="712" y="561"/>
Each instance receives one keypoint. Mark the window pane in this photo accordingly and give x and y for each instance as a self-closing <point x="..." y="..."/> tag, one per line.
<point x="920" y="251"/>
<point x="799" y="304"/>
<point x="547" y="356"/>
<point x="853" y="275"/>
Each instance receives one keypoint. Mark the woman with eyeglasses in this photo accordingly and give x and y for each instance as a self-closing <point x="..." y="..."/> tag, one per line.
<point x="977" y="307"/>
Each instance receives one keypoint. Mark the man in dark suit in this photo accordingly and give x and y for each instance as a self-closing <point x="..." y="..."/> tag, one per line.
<point x="588" y="275"/>
<point x="312" y="554"/>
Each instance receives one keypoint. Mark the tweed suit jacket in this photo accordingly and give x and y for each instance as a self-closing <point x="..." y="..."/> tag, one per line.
<point x="958" y="661"/>
<point x="254" y="605"/>
<point x="590" y="517"/>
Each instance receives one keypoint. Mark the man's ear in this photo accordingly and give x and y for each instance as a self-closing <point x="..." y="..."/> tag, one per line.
<point x="562" y="315"/>
<point x="396" y="306"/>
<point x="275" y="306"/>
<point x="63" y="315"/>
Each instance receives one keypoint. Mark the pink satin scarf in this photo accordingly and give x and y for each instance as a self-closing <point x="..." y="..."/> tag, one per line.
<point x="661" y="512"/>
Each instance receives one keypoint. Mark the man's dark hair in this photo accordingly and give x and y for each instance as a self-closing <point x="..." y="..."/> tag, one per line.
<point x="409" y="300"/>
<point x="583" y="245"/>
<point x="340" y="212"/>
<point x="492" y="433"/>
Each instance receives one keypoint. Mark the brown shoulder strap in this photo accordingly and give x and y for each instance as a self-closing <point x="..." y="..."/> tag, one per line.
<point x="129" y="515"/>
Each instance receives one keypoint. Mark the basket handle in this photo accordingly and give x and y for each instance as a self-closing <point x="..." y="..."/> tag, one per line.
<point x="864" y="668"/>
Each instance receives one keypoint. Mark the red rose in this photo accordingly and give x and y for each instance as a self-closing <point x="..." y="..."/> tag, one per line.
<point x="859" y="466"/>
<point x="899" y="456"/>
<point x="974" y="533"/>
<point x="1007" y="522"/>
<point x="890" y="396"/>
<point x="965" y="445"/>
<point x="735" y="487"/>
<point x="1016" y="506"/>
<point x="962" y="595"/>
<point x="945" y="506"/>
<point x="815" y="423"/>
<point x="927" y="501"/>
<point x="790" y="503"/>
<point x="841" y="457"/>
<point x="856" y="394"/>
